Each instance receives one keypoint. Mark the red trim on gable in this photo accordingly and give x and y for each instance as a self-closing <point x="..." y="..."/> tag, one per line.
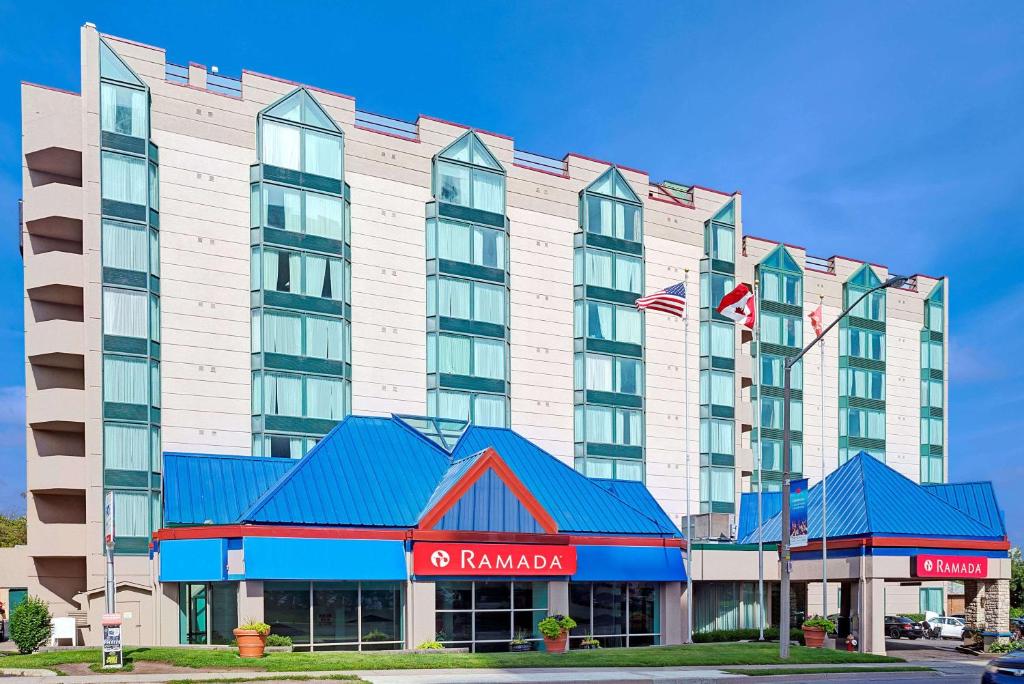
<point x="774" y="242"/>
<point x="390" y="135"/>
<point x="54" y="89"/>
<point x="531" y="168"/>
<point x="669" y="197"/>
<point x="297" y="84"/>
<point x="464" y="126"/>
<point x="717" y="192"/>
<point x="602" y="161"/>
<point x="489" y="460"/>
<point x="132" y="42"/>
<point x="205" y="90"/>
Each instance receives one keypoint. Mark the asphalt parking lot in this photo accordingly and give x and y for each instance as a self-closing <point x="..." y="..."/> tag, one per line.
<point x="927" y="649"/>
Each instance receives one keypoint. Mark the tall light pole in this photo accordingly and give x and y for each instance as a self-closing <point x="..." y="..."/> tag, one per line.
<point x="784" y="617"/>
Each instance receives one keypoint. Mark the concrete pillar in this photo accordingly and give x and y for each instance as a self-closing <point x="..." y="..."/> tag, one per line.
<point x="196" y="75"/>
<point x="168" y="615"/>
<point x="250" y="600"/>
<point x="996" y="605"/>
<point x="672" y="617"/>
<point x="974" y="598"/>
<point x="872" y="623"/>
<point x="558" y="598"/>
<point x="420" y="606"/>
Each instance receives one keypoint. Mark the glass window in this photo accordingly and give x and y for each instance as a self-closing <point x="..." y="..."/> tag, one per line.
<point x="856" y="422"/>
<point x="282" y="208"/>
<point x="125" y="380"/>
<point x="865" y="344"/>
<point x="618" y="614"/>
<point x="932" y="469"/>
<point x="126" y="447"/>
<point x="125" y="313"/>
<point x="935" y="317"/>
<point x="931" y="355"/>
<point x="606" y="216"/>
<point x="931" y="431"/>
<point x="718" y="339"/>
<point x="322" y="154"/>
<point x="488" y="410"/>
<point x="326" y="338"/>
<point x="856" y="382"/>
<point x="872" y="307"/>
<point x="607" y="425"/>
<point x="784" y="288"/>
<point x="468" y="244"/>
<point x="714" y="286"/>
<point x="123" y="110"/>
<point x="486" y="615"/>
<point x="932" y="393"/>
<point x="470" y="187"/>
<point x="716" y="387"/>
<point x="780" y="329"/>
<point x="717" y="436"/>
<point x="286" y="608"/>
<point x="124" y="178"/>
<point x="723" y="240"/>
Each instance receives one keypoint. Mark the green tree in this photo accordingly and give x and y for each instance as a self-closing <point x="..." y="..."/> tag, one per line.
<point x="30" y="624"/>
<point x="13" y="530"/>
<point x="1016" y="578"/>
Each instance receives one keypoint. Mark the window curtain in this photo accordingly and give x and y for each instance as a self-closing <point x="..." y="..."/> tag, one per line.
<point x="721" y="437"/>
<point x="325" y="338"/>
<point x="722" y="388"/>
<point x="453" y="405"/>
<point x="324" y="216"/>
<point x="154" y="253"/>
<point x="454" y="298"/>
<point x="488" y="189"/>
<point x="629" y="470"/>
<point x="453" y="241"/>
<point x="724" y="244"/>
<point x="600" y="216"/>
<point x="123" y="110"/>
<point x="627" y="325"/>
<point x="454" y="355"/>
<point x="488" y="248"/>
<point x="131" y="514"/>
<point x="283" y="208"/>
<point x="723" y="343"/>
<point x="256" y="331"/>
<point x="489" y="303"/>
<point x="489" y="358"/>
<point x="281" y="145"/>
<point x="600" y="323"/>
<point x="722" y="485"/>
<point x="126" y="447"/>
<point x="452" y="183"/>
<point x="323" y="154"/>
<point x="599" y="373"/>
<point x="270" y="268"/>
<point x="124" y="246"/>
<point x="325" y="398"/>
<point x="489" y="411"/>
<point x="627" y="274"/>
<point x="316" y="271"/>
<point x="124" y="313"/>
<point x="125" y="380"/>
<point x="771" y="283"/>
<point x="599" y="425"/>
<point x="124" y="178"/>
<point x="154" y="383"/>
<point x="716" y="606"/>
<point x="282" y="334"/>
<point x="282" y="395"/>
<point x="628" y="376"/>
<point x="627" y="222"/>
<point x="154" y="318"/>
<point x="337" y="276"/>
<point x="599" y="269"/>
<point x="628" y="427"/>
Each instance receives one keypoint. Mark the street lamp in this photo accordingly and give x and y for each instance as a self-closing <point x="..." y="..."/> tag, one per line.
<point x="790" y="361"/>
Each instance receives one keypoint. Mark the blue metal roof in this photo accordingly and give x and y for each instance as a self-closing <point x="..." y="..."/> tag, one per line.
<point x="867" y="497"/>
<point x="577" y="504"/>
<point x="236" y="482"/>
<point x="976" y="499"/>
<point x="639" y="497"/>
<point x="366" y="472"/>
<point x="771" y="504"/>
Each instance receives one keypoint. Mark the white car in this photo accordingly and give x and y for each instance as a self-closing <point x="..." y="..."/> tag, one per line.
<point x="946" y="628"/>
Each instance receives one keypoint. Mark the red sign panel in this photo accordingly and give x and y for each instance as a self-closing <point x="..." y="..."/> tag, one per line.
<point x="951" y="566"/>
<point x="468" y="560"/>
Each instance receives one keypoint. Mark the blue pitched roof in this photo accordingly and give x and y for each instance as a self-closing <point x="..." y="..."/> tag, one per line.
<point x="771" y="504"/>
<point x="366" y="472"/>
<point x="578" y="504"/>
<point x="867" y="497"/>
<point x="976" y="499"/>
<point x="639" y="497"/>
<point x="237" y="480"/>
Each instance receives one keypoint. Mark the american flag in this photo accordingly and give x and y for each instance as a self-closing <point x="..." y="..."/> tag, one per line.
<point x="671" y="300"/>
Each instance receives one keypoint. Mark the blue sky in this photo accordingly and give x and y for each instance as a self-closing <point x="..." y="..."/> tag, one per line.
<point x="885" y="131"/>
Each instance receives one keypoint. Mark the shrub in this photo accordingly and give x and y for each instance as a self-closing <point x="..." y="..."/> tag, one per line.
<point x="1007" y="647"/>
<point x="553" y="625"/>
<point x="721" y="635"/>
<point x="431" y="646"/>
<point x="278" y="640"/>
<point x="916" y="617"/>
<point x="1017" y="612"/>
<point x="818" y="622"/>
<point x="31" y="624"/>
<point x="255" y="625"/>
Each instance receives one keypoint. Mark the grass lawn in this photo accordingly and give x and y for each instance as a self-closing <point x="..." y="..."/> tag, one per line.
<point x="666" y="656"/>
<point x="826" y="670"/>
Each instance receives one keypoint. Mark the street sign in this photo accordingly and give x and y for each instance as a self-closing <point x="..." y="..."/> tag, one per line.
<point x="108" y="519"/>
<point x="798" y="513"/>
<point x="113" y="650"/>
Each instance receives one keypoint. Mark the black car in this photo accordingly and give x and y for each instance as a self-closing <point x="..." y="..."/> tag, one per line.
<point x="1017" y="628"/>
<point x="1008" y="668"/>
<point x="897" y="626"/>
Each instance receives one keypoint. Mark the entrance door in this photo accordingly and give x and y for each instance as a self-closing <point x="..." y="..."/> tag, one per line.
<point x="15" y="597"/>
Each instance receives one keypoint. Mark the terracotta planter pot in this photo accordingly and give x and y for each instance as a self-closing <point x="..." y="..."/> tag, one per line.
<point x="250" y="643"/>
<point x="814" y="637"/>
<point x="556" y="645"/>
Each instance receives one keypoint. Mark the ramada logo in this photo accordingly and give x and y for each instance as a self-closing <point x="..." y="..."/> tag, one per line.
<point x="493" y="559"/>
<point x="952" y="566"/>
<point x="928" y="565"/>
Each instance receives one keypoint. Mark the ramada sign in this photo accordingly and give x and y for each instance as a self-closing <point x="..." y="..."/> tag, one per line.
<point x="951" y="566"/>
<point x="430" y="558"/>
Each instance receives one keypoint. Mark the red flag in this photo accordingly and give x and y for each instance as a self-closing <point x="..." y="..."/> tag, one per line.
<point x="738" y="305"/>
<point x="815" y="317"/>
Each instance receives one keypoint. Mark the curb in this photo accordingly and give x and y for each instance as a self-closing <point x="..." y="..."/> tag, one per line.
<point x="25" y="672"/>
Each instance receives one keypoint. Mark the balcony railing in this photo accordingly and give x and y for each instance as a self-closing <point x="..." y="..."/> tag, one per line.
<point x="539" y="162"/>
<point x="910" y="285"/>
<point x="387" y="125"/>
<point x="176" y="73"/>
<point x="820" y="264"/>
<point x="225" y="85"/>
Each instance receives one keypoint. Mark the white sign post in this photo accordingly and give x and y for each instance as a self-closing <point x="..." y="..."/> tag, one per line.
<point x="113" y="653"/>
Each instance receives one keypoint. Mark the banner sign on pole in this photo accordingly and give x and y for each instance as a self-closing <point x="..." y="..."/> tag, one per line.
<point x="108" y="518"/>
<point x="113" y="650"/>
<point x="798" y="513"/>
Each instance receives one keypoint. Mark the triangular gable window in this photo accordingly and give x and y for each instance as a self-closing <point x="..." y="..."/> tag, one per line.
<point x="444" y="432"/>
<point x="864" y="277"/>
<point x="612" y="184"/>
<point x="937" y="294"/>
<point x="112" y="67"/>
<point x="300" y="107"/>
<point x="780" y="259"/>
<point x="726" y="214"/>
<point x="469" y="149"/>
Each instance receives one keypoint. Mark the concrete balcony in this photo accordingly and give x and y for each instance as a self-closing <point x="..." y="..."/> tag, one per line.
<point x="55" y="277"/>
<point x="54" y="210"/>
<point x="52" y="132"/>
<point x="57" y="343"/>
<point x="57" y="474"/>
<point x="60" y="409"/>
<point x="53" y="540"/>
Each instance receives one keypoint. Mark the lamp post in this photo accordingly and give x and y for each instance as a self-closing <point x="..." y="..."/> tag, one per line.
<point x="790" y="361"/>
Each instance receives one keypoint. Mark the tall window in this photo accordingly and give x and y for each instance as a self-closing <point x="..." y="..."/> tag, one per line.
<point x="608" y="276"/>
<point x="933" y="428"/>
<point x="300" y="277"/>
<point x="862" y="412"/>
<point x="467" y="286"/>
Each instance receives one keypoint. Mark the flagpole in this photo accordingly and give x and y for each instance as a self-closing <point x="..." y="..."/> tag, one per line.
<point x="824" y="485"/>
<point x="686" y="457"/>
<point x="757" y="455"/>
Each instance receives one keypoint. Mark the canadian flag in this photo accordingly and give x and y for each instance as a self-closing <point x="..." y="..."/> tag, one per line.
<point x="815" y="317"/>
<point x="738" y="305"/>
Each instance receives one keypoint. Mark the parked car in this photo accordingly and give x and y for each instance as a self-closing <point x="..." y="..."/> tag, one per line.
<point x="897" y="626"/>
<point x="1017" y="628"/>
<point x="945" y="628"/>
<point x="1004" y="670"/>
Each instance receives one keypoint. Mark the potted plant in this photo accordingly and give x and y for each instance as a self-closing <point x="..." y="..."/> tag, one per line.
<point x="555" y="629"/>
<point x="815" y="628"/>
<point x="519" y="642"/>
<point x="589" y="642"/>
<point x="252" y="638"/>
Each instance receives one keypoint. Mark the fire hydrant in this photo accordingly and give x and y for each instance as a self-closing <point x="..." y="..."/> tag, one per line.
<point x="851" y="643"/>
